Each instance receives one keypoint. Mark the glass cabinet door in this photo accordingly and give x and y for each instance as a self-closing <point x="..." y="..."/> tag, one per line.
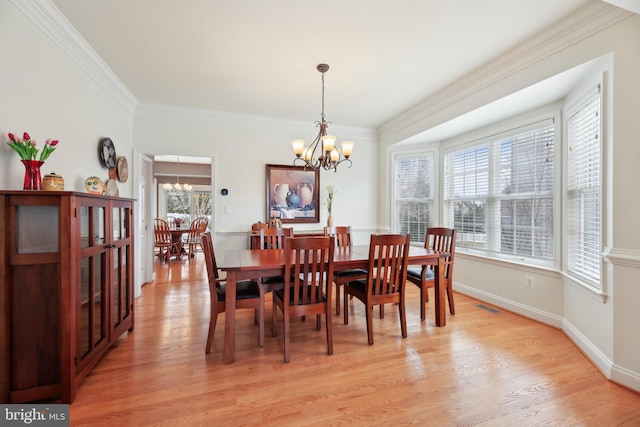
<point x="93" y="261"/>
<point x="121" y="295"/>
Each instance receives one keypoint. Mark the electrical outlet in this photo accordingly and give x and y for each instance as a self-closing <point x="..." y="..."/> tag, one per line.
<point x="529" y="282"/>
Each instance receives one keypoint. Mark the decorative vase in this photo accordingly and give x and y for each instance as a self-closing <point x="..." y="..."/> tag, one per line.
<point x="330" y="221"/>
<point x="280" y="192"/>
<point x="32" y="179"/>
<point x="293" y="200"/>
<point x="305" y="191"/>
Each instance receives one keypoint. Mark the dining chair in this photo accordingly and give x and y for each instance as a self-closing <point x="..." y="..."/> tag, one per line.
<point x="163" y="240"/>
<point x="343" y="238"/>
<point x="386" y="276"/>
<point x="193" y="237"/>
<point x="273" y="238"/>
<point x="439" y="239"/>
<point x="248" y="294"/>
<point x="307" y="285"/>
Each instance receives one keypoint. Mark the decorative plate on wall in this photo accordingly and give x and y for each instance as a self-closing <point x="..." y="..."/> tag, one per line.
<point x="94" y="185"/>
<point x="112" y="188"/>
<point x="107" y="153"/>
<point x="123" y="169"/>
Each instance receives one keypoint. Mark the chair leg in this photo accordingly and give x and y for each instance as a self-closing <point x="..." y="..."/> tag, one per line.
<point x="452" y="308"/>
<point x="369" y="314"/>
<point x="274" y="315"/>
<point x="260" y="326"/>
<point x="403" y="317"/>
<point x="345" y="306"/>
<point x="212" y="329"/>
<point x="329" y="323"/>
<point x="337" y="299"/>
<point x="318" y="322"/>
<point x="424" y="297"/>
<point x="287" y="340"/>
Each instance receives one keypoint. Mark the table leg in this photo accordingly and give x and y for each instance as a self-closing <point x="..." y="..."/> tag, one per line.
<point x="441" y="318"/>
<point x="230" y="318"/>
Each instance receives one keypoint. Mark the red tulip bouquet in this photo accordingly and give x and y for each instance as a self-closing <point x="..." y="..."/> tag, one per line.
<point x="27" y="148"/>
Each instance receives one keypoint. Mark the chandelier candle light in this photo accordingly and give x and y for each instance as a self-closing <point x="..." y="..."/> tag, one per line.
<point x="328" y="156"/>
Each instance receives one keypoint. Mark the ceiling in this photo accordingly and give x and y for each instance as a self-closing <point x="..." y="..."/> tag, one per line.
<point x="259" y="57"/>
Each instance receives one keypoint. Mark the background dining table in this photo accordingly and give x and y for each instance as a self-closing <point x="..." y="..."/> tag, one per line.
<point x="253" y="264"/>
<point x="176" y="237"/>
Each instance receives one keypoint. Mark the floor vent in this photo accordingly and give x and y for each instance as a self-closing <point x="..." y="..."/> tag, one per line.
<point x="484" y="307"/>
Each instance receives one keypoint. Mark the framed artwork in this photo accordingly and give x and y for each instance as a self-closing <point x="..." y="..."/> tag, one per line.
<point x="293" y="193"/>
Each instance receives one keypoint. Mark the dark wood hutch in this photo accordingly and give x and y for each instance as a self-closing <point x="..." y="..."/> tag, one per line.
<point x="66" y="289"/>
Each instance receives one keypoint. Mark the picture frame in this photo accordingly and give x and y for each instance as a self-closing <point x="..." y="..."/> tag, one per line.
<point x="292" y="193"/>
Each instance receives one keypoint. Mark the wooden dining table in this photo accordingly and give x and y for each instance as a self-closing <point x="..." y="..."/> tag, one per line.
<point x="254" y="264"/>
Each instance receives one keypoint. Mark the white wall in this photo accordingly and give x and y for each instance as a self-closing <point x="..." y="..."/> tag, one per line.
<point x="48" y="94"/>
<point x="241" y="146"/>
<point x="604" y="328"/>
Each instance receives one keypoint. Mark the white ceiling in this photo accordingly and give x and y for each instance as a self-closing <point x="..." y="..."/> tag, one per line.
<point x="259" y="57"/>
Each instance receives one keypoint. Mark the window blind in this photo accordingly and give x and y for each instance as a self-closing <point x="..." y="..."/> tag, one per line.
<point x="498" y="194"/>
<point x="413" y="193"/>
<point x="584" y="183"/>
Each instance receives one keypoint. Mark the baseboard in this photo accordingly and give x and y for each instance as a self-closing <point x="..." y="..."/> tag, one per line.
<point x="516" y="307"/>
<point x="594" y="354"/>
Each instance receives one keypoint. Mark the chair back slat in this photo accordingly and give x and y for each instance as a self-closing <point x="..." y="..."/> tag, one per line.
<point x="198" y="226"/>
<point x="161" y="231"/>
<point x="308" y="270"/>
<point x="444" y="240"/>
<point x="273" y="238"/>
<point x="210" y="258"/>
<point x="388" y="254"/>
<point x="342" y="235"/>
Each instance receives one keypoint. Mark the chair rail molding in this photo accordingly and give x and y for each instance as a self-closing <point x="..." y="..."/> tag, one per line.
<point x="622" y="257"/>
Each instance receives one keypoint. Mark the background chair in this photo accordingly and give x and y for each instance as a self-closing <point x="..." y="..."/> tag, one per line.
<point x="307" y="285"/>
<point x="342" y="235"/>
<point x="386" y="275"/>
<point x="273" y="238"/>
<point x="439" y="239"/>
<point x="248" y="294"/>
<point x="163" y="241"/>
<point x="193" y="238"/>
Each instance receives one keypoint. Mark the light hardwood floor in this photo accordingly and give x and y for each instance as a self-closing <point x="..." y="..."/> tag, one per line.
<point x="485" y="368"/>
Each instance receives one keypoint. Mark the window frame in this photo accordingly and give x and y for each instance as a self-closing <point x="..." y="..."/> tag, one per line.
<point x="572" y="105"/>
<point x="487" y="136"/>
<point x="432" y="201"/>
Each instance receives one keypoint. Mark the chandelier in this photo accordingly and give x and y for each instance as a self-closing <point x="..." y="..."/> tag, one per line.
<point x="322" y="152"/>
<point x="177" y="188"/>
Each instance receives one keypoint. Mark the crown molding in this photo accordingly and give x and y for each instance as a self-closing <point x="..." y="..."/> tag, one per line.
<point x="580" y="25"/>
<point x="59" y="30"/>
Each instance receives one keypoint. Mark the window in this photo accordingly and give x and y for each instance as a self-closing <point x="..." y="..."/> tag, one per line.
<point x="584" y="183"/>
<point x="498" y="193"/>
<point x="413" y="195"/>
<point x="186" y="205"/>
